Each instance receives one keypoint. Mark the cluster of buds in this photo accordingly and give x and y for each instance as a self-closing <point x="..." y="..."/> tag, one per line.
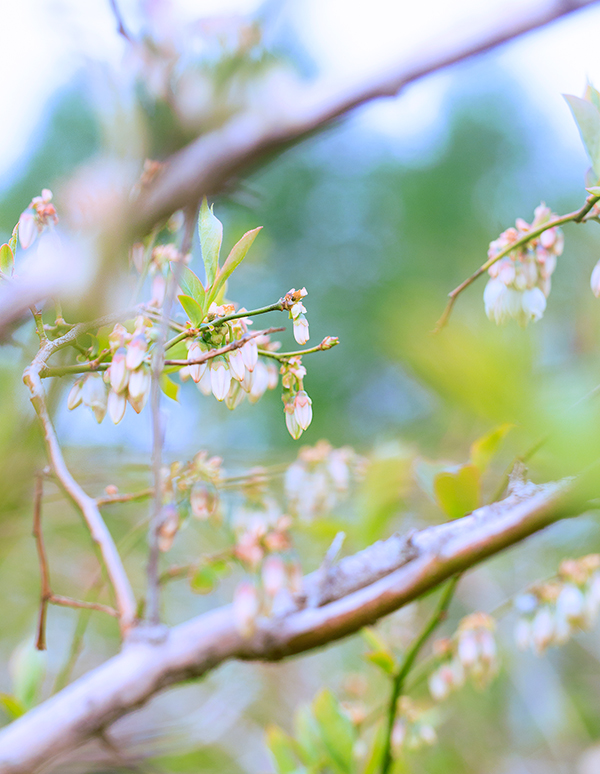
<point x="471" y="653"/>
<point x="297" y="405"/>
<point x="127" y="379"/>
<point x="320" y="478"/>
<point x="199" y="480"/>
<point x="411" y="730"/>
<point x="236" y="374"/>
<point x="292" y="302"/>
<point x="40" y="213"/>
<point x="550" y="613"/>
<point x="519" y="283"/>
<point x="260" y="530"/>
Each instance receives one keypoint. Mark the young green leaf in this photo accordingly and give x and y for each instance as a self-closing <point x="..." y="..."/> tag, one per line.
<point x="458" y="491"/>
<point x="337" y="731"/>
<point x="281" y="747"/>
<point x="587" y="118"/>
<point x="170" y="389"/>
<point x="12" y="706"/>
<point x="192" y="309"/>
<point x="12" y="242"/>
<point x="382" y="659"/>
<point x="486" y="447"/>
<point x="210" y="229"/>
<point x="28" y="668"/>
<point x="594" y="190"/>
<point x="235" y="257"/>
<point x="191" y="286"/>
<point x="7" y="260"/>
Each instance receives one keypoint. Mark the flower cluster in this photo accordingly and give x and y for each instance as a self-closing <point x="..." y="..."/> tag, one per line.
<point x="471" y="653"/>
<point x="320" y="478"/>
<point x="292" y="302"/>
<point x="297" y="405"/>
<point x="411" y="730"/>
<point x="519" y="283"/>
<point x="199" y="480"/>
<point x="40" y="213"/>
<point x="236" y="374"/>
<point x="127" y="379"/>
<point x="550" y="613"/>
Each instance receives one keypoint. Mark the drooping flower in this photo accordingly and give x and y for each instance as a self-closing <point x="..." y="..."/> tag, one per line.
<point x="220" y="379"/>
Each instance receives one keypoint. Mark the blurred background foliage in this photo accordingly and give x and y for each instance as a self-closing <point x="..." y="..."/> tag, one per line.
<point x="378" y="239"/>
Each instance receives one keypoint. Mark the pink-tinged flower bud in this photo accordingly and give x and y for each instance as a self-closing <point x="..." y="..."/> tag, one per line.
<point x="204" y="385"/>
<point x="194" y="353"/>
<point x="136" y="255"/>
<point x="273" y="376"/>
<point x="220" y="379"/>
<point x="245" y="608"/>
<point x="75" y="395"/>
<point x="168" y="528"/>
<point x="250" y="354"/>
<point x="543" y="629"/>
<point x="235" y="395"/>
<point x="139" y="382"/>
<point x="329" y="342"/>
<point x="117" y="403"/>
<point x="533" y="303"/>
<point x="439" y="686"/>
<point x="247" y="381"/>
<point x="570" y="604"/>
<point x="301" y="333"/>
<point x="237" y="365"/>
<point x="136" y="351"/>
<point x="260" y="383"/>
<point x="203" y="500"/>
<point x="119" y="375"/>
<point x="46" y="195"/>
<point x="303" y="409"/>
<point x="291" y="422"/>
<point x="595" y="280"/>
<point x="274" y="576"/>
<point x="94" y="395"/>
<point x="297" y="309"/>
<point x="28" y="229"/>
<point x="117" y="337"/>
<point x="468" y="649"/>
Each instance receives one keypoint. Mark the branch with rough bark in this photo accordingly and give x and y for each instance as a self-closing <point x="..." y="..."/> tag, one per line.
<point x="356" y="592"/>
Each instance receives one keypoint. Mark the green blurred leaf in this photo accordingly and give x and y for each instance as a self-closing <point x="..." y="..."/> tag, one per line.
<point x="235" y="257"/>
<point x="337" y="731"/>
<point x="191" y="286"/>
<point x="7" y="260"/>
<point x="281" y="747"/>
<point x="382" y="659"/>
<point x="594" y="190"/>
<point x="587" y="118"/>
<point x="485" y="448"/>
<point x="192" y="309"/>
<point x="170" y="388"/>
<point x="204" y="580"/>
<point x="12" y="242"/>
<point x="373" y="765"/>
<point x="592" y="95"/>
<point x="210" y="229"/>
<point x="12" y="706"/>
<point x="458" y="492"/>
<point x="28" y="669"/>
<point x="306" y="731"/>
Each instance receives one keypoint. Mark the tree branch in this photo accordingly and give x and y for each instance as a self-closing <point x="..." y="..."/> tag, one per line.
<point x="209" y="163"/>
<point x="363" y="588"/>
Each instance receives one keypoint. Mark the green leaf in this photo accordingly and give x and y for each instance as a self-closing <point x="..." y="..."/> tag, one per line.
<point x="204" y="580"/>
<point x="458" y="491"/>
<point x="594" y="190"/>
<point x="192" y="309"/>
<point x="7" y="260"/>
<point x="373" y="765"/>
<point x="281" y="747"/>
<point x="587" y="118"/>
<point x="12" y="242"/>
<point x="191" y="285"/>
<point x="306" y="731"/>
<point x="382" y="659"/>
<point x="235" y="257"/>
<point x="337" y="731"/>
<point x="170" y="389"/>
<point x="373" y="638"/>
<point x="28" y="669"/>
<point x="210" y="229"/>
<point x="12" y="706"/>
<point x="485" y="448"/>
<point x="592" y="95"/>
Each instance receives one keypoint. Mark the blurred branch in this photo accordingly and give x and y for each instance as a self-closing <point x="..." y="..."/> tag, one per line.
<point x="213" y="160"/>
<point x="88" y="507"/>
<point x="360" y="589"/>
<point x="578" y="216"/>
<point x="121" y="29"/>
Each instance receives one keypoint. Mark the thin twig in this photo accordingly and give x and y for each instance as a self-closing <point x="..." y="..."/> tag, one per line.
<point x="283" y="356"/>
<point x="399" y="678"/>
<point x="45" y="590"/>
<point x="121" y="29"/>
<point x="212" y="353"/>
<point x="577" y="216"/>
<point x="127" y="497"/>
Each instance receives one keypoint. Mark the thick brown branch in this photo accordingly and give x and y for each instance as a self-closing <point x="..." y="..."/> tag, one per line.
<point x="360" y="594"/>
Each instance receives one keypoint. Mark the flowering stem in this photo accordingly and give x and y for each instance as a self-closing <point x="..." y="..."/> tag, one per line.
<point x="238" y="315"/>
<point x="399" y="678"/>
<point x="572" y="217"/>
<point x="180" y="337"/>
<point x="283" y="356"/>
<point x="211" y="354"/>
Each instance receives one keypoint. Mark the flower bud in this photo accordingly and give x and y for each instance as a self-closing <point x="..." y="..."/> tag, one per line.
<point x="595" y="280"/>
<point x="117" y="403"/>
<point x="533" y="303"/>
<point x="75" y="395"/>
<point x="139" y="388"/>
<point x="291" y="422"/>
<point x="235" y="395"/>
<point x="245" y="608"/>
<point x="273" y="376"/>
<point x="136" y="351"/>
<point x="194" y="353"/>
<point x="94" y="395"/>
<point x="168" y="528"/>
<point x="250" y="354"/>
<point x="301" y="333"/>
<point x="220" y="379"/>
<point x="274" y="576"/>
<point x="303" y="409"/>
<point x="119" y="375"/>
<point x="543" y="629"/>
<point x="28" y="229"/>
<point x="259" y="383"/>
<point x="205" y="381"/>
<point x="203" y="500"/>
<point x="236" y="364"/>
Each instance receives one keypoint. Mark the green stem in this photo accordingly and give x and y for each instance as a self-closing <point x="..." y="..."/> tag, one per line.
<point x="238" y="315"/>
<point x="283" y="356"/>
<point x="39" y="323"/>
<point x="399" y="678"/>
